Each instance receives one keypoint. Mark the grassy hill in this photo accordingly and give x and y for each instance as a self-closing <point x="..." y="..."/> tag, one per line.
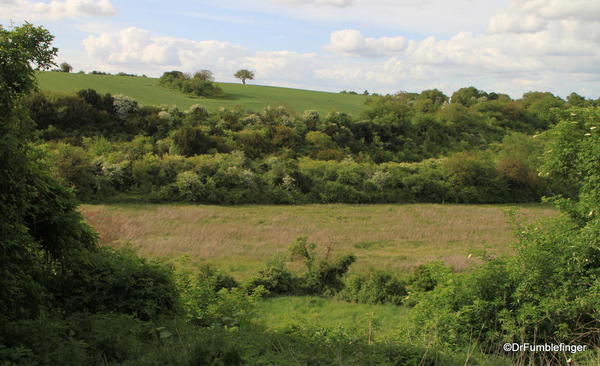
<point x="253" y="97"/>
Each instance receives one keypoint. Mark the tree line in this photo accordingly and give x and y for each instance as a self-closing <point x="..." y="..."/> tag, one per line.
<point x="474" y="147"/>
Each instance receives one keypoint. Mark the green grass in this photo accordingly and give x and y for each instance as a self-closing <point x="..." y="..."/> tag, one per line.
<point x="253" y="97"/>
<point x="385" y="321"/>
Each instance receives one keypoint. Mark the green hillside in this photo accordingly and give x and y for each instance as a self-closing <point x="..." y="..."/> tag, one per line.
<point x="253" y="97"/>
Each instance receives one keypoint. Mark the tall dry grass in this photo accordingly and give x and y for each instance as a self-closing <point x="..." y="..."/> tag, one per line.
<point x="240" y="239"/>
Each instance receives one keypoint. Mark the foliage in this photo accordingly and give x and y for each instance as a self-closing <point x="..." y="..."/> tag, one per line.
<point x="80" y="339"/>
<point x="65" y="67"/>
<point x="323" y="275"/>
<point x="244" y="75"/>
<point x="21" y="48"/>
<point x="107" y="280"/>
<point x="201" y="84"/>
<point x="276" y="279"/>
<point x="547" y="291"/>
<point x="104" y="339"/>
<point x="190" y="141"/>
<point x="40" y="225"/>
<point x="205" y="75"/>
<point x="125" y="106"/>
<point x="377" y="287"/>
<point x="211" y="299"/>
<point x="507" y="173"/>
<point x="236" y="168"/>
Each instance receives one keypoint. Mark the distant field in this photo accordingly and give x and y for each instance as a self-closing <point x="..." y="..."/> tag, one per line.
<point x="240" y="239"/>
<point x="253" y="97"/>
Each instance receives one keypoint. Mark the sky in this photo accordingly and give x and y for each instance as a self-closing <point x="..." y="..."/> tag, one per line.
<point x="384" y="46"/>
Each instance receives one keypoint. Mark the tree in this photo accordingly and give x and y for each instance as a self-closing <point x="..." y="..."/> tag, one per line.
<point x="576" y="100"/>
<point x="39" y="224"/>
<point x="200" y="85"/>
<point x="65" y="67"/>
<point x="244" y="75"/>
<point x="204" y="75"/>
<point x="22" y="48"/>
<point x="190" y="141"/>
<point x="430" y="100"/>
<point x="468" y="96"/>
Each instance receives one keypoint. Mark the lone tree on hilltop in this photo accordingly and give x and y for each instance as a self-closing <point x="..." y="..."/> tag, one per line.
<point x="244" y="75"/>
<point x="65" y="67"/>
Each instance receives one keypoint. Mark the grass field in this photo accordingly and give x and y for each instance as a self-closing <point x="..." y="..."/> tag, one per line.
<point x="240" y="239"/>
<point x="384" y="321"/>
<point x="253" y="97"/>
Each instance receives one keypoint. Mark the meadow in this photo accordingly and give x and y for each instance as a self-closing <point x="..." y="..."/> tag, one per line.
<point x="147" y="91"/>
<point x="380" y="322"/>
<point x="241" y="239"/>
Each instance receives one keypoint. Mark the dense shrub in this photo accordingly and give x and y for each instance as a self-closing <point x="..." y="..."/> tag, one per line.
<point x="377" y="287"/>
<point x="190" y="141"/>
<point x="548" y="292"/>
<point x="323" y="275"/>
<point x="201" y="84"/>
<point x="75" y="168"/>
<point x="210" y="298"/>
<point x="115" y="281"/>
<point x="276" y="279"/>
<point x="138" y="169"/>
<point x="326" y="277"/>
<point x="405" y="148"/>
<point x="427" y="276"/>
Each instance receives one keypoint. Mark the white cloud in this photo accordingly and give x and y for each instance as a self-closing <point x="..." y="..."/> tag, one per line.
<point x="134" y="47"/>
<point x="551" y="45"/>
<point x="19" y="10"/>
<point x="546" y="51"/>
<point x="140" y="51"/>
<point x="352" y="42"/>
<point x="534" y="15"/>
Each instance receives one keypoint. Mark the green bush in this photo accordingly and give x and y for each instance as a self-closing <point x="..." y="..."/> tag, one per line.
<point x="549" y="290"/>
<point x="75" y="168"/>
<point x="80" y="339"/>
<point x="115" y="281"/>
<point x="198" y="85"/>
<point x="376" y="287"/>
<point x="326" y="277"/>
<point x="209" y="298"/>
<point x="218" y="279"/>
<point x="427" y="276"/>
<point x="276" y="279"/>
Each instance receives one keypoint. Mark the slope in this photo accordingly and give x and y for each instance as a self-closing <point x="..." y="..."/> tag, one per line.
<point x="254" y="97"/>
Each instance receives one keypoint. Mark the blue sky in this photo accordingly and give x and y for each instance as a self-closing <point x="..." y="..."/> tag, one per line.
<point x="509" y="46"/>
